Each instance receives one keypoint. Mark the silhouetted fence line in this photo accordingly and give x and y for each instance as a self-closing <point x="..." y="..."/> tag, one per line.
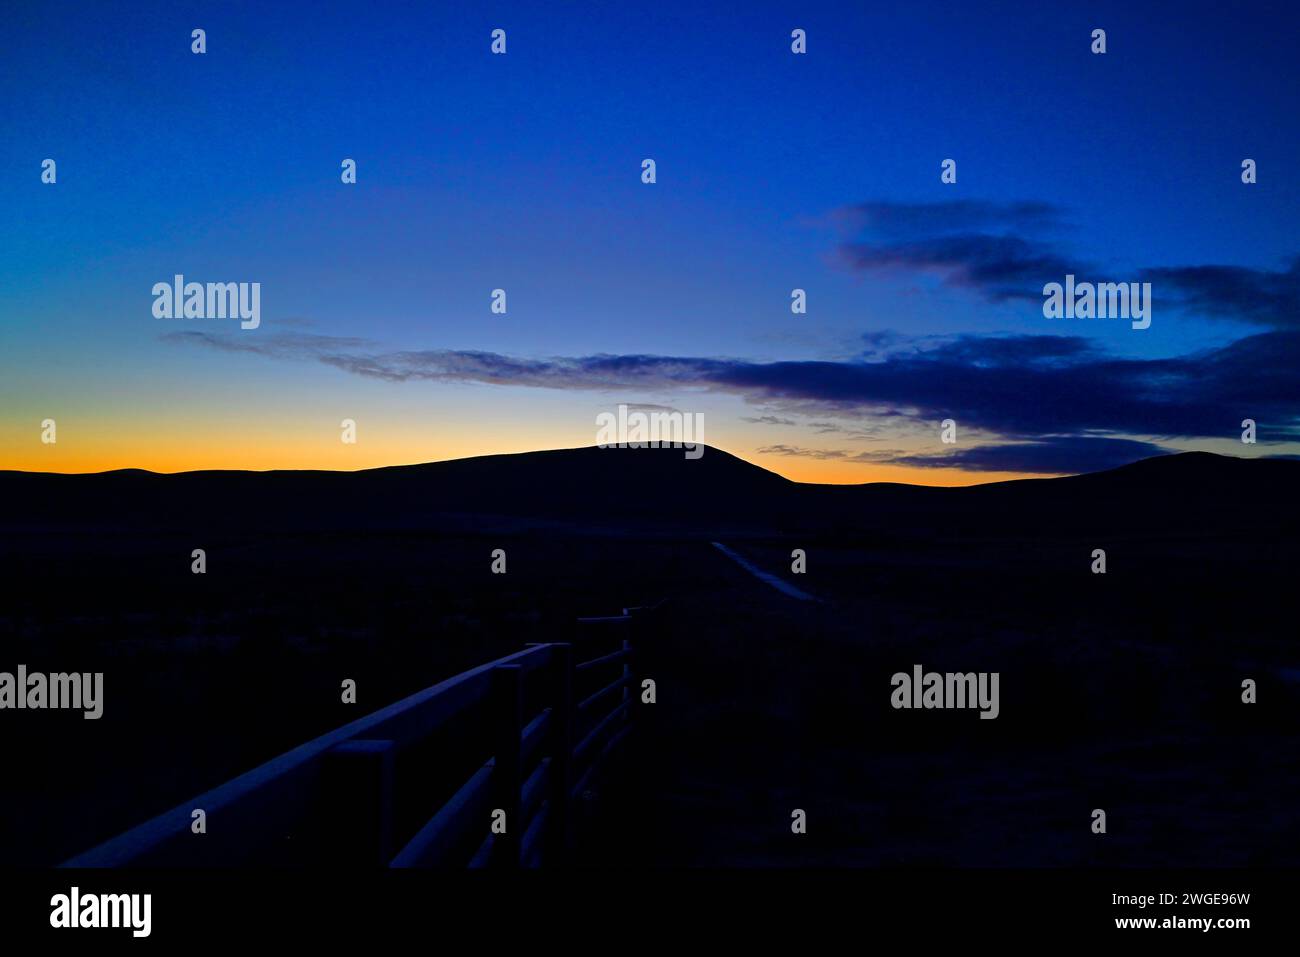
<point x="421" y="782"/>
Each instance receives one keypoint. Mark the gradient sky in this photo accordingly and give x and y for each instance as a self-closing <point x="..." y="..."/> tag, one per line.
<point x="522" y="171"/>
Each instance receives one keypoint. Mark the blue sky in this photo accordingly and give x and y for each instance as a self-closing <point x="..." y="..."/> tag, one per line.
<point x="522" y="172"/>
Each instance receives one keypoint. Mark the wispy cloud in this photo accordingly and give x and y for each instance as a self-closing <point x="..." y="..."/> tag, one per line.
<point x="1048" y="456"/>
<point x="983" y="246"/>
<point x="280" y="345"/>
<point x="1002" y="251"/>
<point x="912" y="220"/>
<point x="999" y="267"/>
<point x="1055" y="455"/>
<point x="1257" y="296"/>
<point x="801" y="452"/>
<point x="1017" y="387"/>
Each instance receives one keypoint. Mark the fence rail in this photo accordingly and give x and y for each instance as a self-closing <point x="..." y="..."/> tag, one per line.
<point x="421" y="782"/>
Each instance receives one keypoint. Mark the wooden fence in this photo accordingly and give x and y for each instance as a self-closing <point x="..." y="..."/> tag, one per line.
<point x="482" y="769"/>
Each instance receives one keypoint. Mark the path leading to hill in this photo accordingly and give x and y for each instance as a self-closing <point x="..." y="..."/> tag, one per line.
<point x="771" y="705"/>
<point x="767" y="577"/>
<point x="736" y="739"/>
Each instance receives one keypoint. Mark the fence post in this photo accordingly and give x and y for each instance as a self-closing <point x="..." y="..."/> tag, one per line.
<point x="359" y="781"/>
<point x="507" y="717"/>
<point x="629" y="692"/>
<point x="562" y="720"/>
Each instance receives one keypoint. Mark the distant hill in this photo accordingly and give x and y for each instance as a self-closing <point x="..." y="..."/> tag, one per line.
<point x="1189" y="493"/>
<point x="656" y="489"/>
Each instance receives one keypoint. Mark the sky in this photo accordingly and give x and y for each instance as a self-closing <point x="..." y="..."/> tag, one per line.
<point x="775" y="171"/>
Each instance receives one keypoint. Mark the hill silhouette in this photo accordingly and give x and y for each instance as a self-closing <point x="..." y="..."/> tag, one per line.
<point x="661" y="488"/>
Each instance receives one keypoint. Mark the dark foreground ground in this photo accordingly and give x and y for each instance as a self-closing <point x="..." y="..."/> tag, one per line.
<point x="1119" y="691"/>
<point x="1115" y="694"/>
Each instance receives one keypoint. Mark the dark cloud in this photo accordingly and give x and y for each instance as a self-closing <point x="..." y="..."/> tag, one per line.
<point x="1257" y="296"/>
<point x="993" y="351"/>
<point x="1050" y="456"/>
<point x="998" y="267"/>
<point x="1017" y="387"/>
<point x="977" y="245"/>
<point x="998" y="250"/>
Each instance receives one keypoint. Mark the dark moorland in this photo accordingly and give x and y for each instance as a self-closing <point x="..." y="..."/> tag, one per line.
<point x="1118" y="691"/>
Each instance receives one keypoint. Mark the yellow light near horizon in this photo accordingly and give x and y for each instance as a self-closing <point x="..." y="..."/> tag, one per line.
<point x="175" y="439"/>
<point x="84" y="449"/>
<point x="832" y="472"/>
<point x="272" y="451"/>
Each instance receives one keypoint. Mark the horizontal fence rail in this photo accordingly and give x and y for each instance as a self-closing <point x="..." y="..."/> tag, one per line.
<point x="479" y="770"/>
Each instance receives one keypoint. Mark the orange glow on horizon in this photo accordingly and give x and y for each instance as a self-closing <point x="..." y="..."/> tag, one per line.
<point x="832" y="472"/>
<point x="200" y="453"/>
